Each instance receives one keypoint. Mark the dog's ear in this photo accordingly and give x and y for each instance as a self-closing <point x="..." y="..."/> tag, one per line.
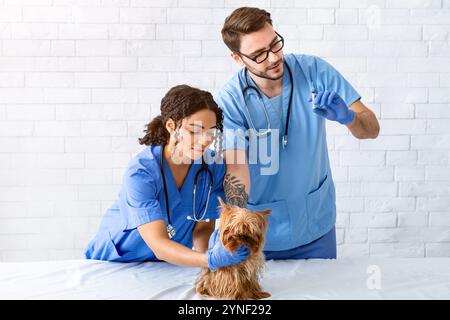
<point x="266" y="212"/>
<point x="221" y="201"/>
<point x="223" y="204"/>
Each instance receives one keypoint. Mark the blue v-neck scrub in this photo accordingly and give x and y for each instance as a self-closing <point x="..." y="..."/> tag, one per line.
<point x="141" y="200"/>
<point x="299" y="189"/>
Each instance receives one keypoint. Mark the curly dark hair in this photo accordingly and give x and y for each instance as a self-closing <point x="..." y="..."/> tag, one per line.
<point x="180" y="102"/>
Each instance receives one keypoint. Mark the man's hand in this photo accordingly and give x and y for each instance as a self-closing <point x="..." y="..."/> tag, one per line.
<point x="330" y="105"/>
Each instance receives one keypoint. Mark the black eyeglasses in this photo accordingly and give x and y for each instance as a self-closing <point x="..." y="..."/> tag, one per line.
<point x="261" y="57"/>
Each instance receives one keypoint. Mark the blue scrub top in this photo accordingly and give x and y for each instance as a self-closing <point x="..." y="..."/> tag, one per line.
<point x="141" y="200"/>
<point x="299" y="187"/>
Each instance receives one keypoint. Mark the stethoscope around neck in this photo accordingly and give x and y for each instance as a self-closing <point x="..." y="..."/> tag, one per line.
<point x="204" y="168"/>
<point x="265" y="132"/>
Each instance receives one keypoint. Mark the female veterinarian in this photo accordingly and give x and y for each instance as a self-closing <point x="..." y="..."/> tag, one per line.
<point x="168" y="204"/>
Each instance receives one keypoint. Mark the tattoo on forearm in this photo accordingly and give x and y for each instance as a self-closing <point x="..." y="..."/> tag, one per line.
<point x="235" y="191"/>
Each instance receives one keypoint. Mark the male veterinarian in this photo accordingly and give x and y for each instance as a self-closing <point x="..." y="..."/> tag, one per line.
<point x="275" y="111"/>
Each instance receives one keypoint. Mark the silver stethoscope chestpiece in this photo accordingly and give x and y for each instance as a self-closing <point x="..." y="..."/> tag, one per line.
<point x="284" y="141"/>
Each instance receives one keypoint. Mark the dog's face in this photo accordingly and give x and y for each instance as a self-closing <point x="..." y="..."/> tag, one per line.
<point x="242" y="226"/>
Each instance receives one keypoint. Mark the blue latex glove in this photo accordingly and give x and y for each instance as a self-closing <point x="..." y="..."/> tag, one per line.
<point x="330" y="105"/>
<point x="219" y="257"/>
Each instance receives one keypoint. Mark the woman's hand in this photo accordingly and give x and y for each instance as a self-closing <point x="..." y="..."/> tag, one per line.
<point x="155" y="236"/>
<point x="219" y="257"/>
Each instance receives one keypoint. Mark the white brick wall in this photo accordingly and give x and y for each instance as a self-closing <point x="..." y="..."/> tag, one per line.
<point x="79" y="79"/>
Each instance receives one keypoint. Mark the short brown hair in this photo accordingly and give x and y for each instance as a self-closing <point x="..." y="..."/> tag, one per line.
<point x="243" y="21"/>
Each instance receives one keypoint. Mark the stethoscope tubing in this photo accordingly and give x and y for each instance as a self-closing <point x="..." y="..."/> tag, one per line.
<point x="197" y="174"/>
<point x="260" y="98"/>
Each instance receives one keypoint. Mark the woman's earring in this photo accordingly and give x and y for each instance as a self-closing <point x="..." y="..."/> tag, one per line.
<point x="176" y="137"/>
<point x="218" y="146"/>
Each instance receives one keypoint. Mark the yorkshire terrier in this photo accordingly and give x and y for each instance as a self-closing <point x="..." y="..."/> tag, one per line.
<point x="238" y="226"/>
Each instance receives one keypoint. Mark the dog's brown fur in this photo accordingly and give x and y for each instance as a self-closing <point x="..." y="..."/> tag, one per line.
<point x="240" y="281"/>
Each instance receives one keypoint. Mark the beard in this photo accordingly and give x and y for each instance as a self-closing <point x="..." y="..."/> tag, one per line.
<point x="264" y="74"/>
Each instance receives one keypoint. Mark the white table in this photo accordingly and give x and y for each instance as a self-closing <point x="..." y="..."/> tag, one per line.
<point x="357" y="278"/>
